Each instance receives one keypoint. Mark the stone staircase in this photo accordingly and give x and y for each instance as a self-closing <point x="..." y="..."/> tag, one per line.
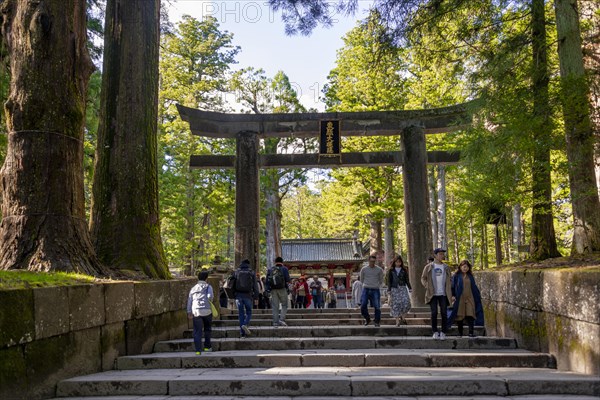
<point x="328" y="353"/>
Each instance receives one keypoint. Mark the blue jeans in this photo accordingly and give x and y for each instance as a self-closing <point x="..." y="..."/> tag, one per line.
<point x="199" y="323"/>
<point x="442" y="302"/>
<point x="374" y="297"/>
<point x="244" y="305"/>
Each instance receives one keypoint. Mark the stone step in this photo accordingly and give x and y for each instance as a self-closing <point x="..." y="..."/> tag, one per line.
<point x="525" y="397"/>
<point x="329" y="316"/>
<point x="332" y="381"/>
<point x="341" y="358"/>
<point x="331" y="331"/>
<point x="344" y="342"/>
<point x="233" y="310"/>
<point x="317" y="322"/>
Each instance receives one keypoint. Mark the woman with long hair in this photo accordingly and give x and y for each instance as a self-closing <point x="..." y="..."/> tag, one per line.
<point x="399" y="287"/>
<point x="467" y="304"/>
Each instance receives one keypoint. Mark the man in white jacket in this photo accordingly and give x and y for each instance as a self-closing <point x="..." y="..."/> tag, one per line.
<point x="200" y="312"/>
<point x="356" y="292"/>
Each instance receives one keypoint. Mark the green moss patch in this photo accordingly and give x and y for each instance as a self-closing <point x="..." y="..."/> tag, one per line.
<point x="581" y="262"/>
<point x="16" y="279"/>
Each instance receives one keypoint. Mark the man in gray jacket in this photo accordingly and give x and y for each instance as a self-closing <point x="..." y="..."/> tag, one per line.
<point x="200" y="312"/>
<point x="371" y="277"/>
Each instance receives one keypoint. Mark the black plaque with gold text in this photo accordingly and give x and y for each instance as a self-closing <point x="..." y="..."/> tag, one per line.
<point x="330" y="138"/>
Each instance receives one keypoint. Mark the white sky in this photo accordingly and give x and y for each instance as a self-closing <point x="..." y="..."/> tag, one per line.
<point x="264" y="44"/>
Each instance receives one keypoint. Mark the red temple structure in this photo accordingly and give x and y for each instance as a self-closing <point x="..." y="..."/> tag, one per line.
<point x="333" y="259"/>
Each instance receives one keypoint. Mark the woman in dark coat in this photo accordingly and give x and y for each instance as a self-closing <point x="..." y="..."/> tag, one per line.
<point x="467" y="300"/>
<point x="399" y="287"/>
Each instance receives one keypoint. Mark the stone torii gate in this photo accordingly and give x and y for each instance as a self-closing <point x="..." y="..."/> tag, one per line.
<point x="412" y="126"/>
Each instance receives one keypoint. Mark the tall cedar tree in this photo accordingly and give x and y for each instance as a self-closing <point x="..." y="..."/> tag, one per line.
<point x="196" y="205"/>
<point x="578" y="129"/>
<point x="125" y="222"/>
<point x="43" y="226"/>
<point x="543" y="239"/>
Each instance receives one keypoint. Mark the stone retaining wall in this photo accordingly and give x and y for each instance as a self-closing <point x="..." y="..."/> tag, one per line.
<point x="555" y="311"/>
<point x="54" y="333"/>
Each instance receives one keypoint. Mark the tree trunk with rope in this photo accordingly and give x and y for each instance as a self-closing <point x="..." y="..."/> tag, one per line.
<point x="43" y="225"/>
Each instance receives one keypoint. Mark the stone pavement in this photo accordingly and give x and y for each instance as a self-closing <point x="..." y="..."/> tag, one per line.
<point x="338" y="360"/>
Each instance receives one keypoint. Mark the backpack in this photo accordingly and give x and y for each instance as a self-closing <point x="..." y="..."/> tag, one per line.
<point x="244" y="282"/>
<point x="277" y="279"/>
<point x="229" y="285"/>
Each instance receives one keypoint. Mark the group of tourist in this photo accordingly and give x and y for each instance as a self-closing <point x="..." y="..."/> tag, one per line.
<point x="441" y="288"/>
<point x="302" y="293"/>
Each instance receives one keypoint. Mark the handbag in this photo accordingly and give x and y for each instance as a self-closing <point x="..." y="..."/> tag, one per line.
<point x="215" y="312"/>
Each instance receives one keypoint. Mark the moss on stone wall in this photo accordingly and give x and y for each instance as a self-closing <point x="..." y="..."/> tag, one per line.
<point x="31" y="366"/>
<point x="13" y="372"/>
<point x="557" y="312"/>
<point x="16" y="317"/>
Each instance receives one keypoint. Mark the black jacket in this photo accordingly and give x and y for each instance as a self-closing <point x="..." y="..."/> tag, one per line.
<point x="398" y="280"/>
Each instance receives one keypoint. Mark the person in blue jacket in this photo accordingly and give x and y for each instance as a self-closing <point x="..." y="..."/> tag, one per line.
<point x="467" y="300"/>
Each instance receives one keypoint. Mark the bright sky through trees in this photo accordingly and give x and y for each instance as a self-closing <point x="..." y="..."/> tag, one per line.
<point x="261" y="35"/>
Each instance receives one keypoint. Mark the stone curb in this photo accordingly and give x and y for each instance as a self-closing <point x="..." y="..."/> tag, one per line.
<point x="330" y="331"/>
<point x="353" y="342"/>
<point x="333" y="382"/>
<point x="354" y="358"/>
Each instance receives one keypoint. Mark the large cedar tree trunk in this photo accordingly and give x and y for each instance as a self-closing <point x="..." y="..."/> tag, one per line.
<point x="590" y="11"/>
<point x="273" y="217"/>
<point x="516" y="231"/>
<point x="388" y="224"/>
<point x="376" y="237"/>
<point x="43" y="224"/>
<point x="441" y="207"/>
<point x="579" y="133"/>
<point x="433" y="206"/>
<point x="272" y="206"/>
<point x="543" y="239"/>
<point x="497" y="244"/>
<point x="125" y="222"/>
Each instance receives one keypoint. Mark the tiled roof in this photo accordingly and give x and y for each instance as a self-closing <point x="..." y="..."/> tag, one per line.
<point x="320" y="250"/>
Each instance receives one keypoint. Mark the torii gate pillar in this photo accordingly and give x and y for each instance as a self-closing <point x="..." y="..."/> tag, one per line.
<point x="416" y="208"/>
<point x="247" y="197"/>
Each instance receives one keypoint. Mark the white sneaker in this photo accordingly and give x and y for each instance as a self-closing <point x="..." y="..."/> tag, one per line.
<point x="442" y="336"/>
<point x="436" y="336"/>
<point x="282" y="323"/>
<point x="246" y="330"/>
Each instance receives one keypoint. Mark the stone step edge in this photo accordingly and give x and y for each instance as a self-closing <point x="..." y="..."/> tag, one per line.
<point x="350" y="358"/>
<point x="357" y="315"/>
<point x="517" y="397"/>
<point x="308" y="321"/>
<point x="334" y="327"/>
<point x="361" y="382"/>
<point x="332" y="332"/>
<point x="338" y="343"/>
<point x="330" y="310"/>
<point x="427" y="338"/>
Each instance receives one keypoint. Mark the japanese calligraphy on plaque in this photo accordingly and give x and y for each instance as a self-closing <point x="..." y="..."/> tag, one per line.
<point x="330" y="138"/>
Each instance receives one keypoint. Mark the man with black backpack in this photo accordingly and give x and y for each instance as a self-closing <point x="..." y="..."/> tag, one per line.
<point x="245" y="290"/>
<point x="277" y="282"/>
